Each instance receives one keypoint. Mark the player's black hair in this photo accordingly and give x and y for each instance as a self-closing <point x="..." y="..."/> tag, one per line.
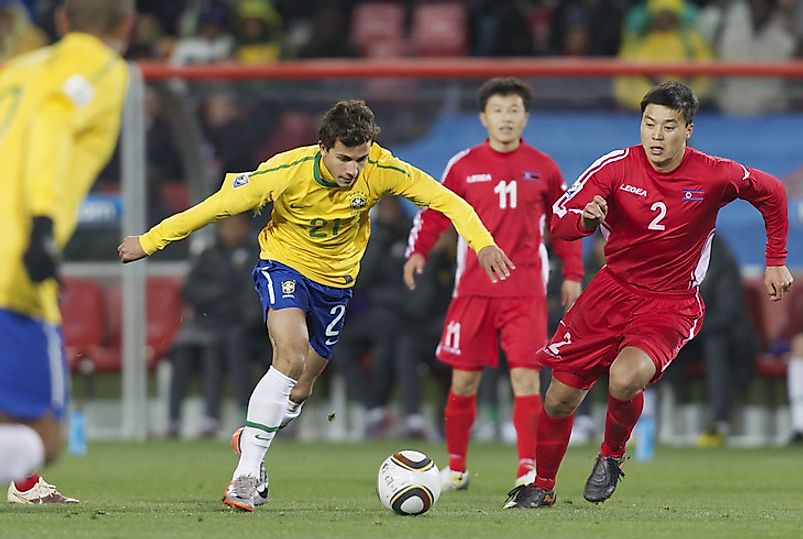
<point x="676" y="96"/>
<point x="101" y="16"/>
<point x="349" y="121"/>
<point x="504" y="86"/>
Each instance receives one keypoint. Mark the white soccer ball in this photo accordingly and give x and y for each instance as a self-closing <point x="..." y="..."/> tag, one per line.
<point x="408" y="483"/>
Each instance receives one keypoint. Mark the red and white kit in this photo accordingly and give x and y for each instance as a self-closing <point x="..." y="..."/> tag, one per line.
<point x="659" y="229"/>
<point x="513" y="194"/>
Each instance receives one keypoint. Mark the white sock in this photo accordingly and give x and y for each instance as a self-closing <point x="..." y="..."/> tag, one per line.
<point x="292" y="412"/>
<point x="21" y="452"/>
<point x="794" y="379"/>
<point x="266" y="408"/>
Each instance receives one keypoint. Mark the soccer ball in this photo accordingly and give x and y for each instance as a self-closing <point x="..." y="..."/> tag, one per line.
<point x="408" y="483"/>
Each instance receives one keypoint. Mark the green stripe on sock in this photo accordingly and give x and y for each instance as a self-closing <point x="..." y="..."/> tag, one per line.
<point x="260" y="426"/>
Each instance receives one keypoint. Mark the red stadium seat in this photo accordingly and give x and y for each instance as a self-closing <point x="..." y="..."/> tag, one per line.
<point x="791" y="322"/>
<point x="175" y="195"/>
<point x="768" y="366"/>
<point x="440" y="29"/>
<point x="165" y="310"/>
<point x="164" y="314"/>
<point x="293" y="129"/>
<point x="83" y="318"/>
<point x="754" y="295"/>
<point x="376" y="22"/>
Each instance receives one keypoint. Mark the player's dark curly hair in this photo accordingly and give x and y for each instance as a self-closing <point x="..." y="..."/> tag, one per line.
<point x="349" y="121"/>
<point x="676" y="96"/>
<point x="504" y="86"/>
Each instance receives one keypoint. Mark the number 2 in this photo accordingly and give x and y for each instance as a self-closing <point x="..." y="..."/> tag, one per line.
<point x="660" y="207"/>
<point x="554" y="349"/>
<point x="339" y="311"/>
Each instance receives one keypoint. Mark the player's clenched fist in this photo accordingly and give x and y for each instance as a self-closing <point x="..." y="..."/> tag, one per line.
<point x="594" y="213"/>
<point x="495" y="263"/>
<point x="130" y="250"/>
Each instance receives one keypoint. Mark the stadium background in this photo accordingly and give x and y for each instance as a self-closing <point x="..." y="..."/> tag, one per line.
<point x="417" y="64"/>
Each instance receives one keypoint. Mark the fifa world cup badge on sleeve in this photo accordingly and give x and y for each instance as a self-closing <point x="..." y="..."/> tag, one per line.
<point x="240" y="180"/>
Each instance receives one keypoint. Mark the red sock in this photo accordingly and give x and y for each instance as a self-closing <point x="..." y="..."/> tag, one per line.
<point x="27" y="483"/>
<point x="552" y="441"/>
<point x="458" y="419"/>
<point x="619" y="422"/>
<point x="525" y="419"/>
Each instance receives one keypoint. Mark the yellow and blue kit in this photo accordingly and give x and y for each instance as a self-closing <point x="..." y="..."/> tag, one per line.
<point x="318" y="228"/>
<point x="60" y="110"/>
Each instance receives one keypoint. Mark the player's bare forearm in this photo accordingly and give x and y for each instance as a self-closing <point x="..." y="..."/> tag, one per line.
<point x="778" y="281"/>
<point x="130" y="250"/>
<point x="495" y="263"/>
<point x="593" y="214"/>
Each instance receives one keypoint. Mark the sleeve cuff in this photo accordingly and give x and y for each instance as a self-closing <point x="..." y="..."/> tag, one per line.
<point x="579" y="227"/>
<point x="148" y="245"/>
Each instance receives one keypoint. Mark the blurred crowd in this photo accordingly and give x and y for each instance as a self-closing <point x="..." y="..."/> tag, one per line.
<point x="260" y="31"/>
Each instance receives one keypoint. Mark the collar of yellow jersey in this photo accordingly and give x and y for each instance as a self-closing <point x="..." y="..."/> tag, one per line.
<point x="319" y="172"/>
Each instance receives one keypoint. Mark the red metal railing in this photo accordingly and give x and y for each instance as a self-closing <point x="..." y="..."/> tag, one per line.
<point x="456" y="68"/>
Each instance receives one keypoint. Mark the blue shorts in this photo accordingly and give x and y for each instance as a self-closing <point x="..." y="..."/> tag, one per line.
<point x="281" y="286"/>
<point x="33" y="368"/>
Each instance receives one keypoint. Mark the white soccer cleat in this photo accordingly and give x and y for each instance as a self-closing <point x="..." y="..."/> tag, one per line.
<point x="453" y="480"/>
<point x="263" y="484"/>
<point x="525" y="479"/>
<point x="41" y="493"/>
<point x="240" y="493"/>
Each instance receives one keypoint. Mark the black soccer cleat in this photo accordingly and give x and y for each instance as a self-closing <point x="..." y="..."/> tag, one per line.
<point x="529" y="497"/>
<point x="603" y="479"/>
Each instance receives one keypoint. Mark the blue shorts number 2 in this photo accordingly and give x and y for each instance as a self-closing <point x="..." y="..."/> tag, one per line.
<point x="281" y="286"/>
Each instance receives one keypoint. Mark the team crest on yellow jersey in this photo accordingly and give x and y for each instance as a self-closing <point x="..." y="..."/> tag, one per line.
<point x="288" y="288"/>
<point x="358" y="201"/>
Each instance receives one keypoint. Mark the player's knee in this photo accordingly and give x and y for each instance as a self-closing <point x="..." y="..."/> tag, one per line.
<point x="525" y="381"/>
<point x="558" y="408"/>
<point x="290" y="360"/>
<point x="797" y="345"/>
<point x="465" y="383"/>
<point x="625" y="387"/>
<point x="300" y="393"/>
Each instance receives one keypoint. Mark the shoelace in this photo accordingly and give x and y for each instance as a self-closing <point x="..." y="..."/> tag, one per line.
<point x="48" y="487"/>
<point x="515" y="491"/>
<point x="617" y="468"/>
<point x="244" y="486"/>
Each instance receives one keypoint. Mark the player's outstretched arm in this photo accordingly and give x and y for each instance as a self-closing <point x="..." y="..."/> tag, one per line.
<point x="130" y="250"/>
<point x="495" y="263"/>
<point x="414" y="266"/>
<point x="778" y="281"/>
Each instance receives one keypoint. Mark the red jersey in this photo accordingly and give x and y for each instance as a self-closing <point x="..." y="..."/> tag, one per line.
<point x="660" y="224"/>
<point x="513" y="193"/>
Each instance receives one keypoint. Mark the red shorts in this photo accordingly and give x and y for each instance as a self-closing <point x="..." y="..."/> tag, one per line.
<point x="476" y="327"/>
<point x="610" y="315"/>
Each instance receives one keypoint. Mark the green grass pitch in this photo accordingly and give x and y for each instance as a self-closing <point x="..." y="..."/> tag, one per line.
<point x="173" y="489"/>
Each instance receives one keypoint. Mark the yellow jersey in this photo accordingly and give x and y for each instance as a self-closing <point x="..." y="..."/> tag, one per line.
<point x="60" y="110"/>
<point x="316" y="227"/>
